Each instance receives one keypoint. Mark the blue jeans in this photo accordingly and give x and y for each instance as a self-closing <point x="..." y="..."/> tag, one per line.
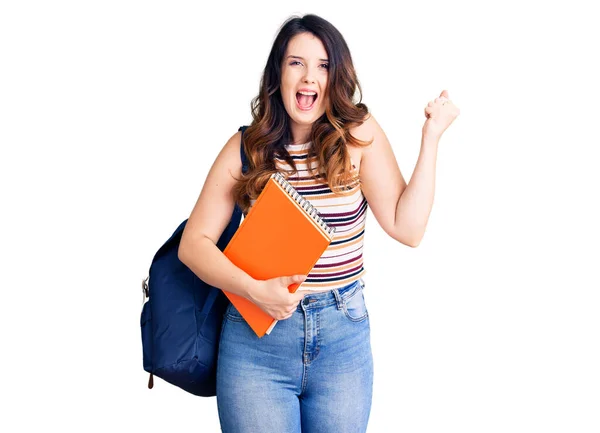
<point x="312" y="373"/>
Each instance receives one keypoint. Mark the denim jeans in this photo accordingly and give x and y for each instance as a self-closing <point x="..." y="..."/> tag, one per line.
<point x="312" y="373"/>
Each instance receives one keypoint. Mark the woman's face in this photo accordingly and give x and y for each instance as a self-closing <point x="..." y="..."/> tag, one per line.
<point x="305" y="66"/>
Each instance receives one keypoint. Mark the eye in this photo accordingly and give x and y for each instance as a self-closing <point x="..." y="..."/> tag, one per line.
<point x="326" y="65"/>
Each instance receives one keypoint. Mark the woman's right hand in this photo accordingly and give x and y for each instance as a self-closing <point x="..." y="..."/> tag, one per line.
<point x="274" y="297"/>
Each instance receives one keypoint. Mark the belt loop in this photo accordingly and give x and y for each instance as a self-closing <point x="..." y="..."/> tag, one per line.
<point x="338" y="299"/>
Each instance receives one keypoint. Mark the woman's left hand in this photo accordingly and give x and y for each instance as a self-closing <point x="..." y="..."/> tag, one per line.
<point x="440" y="113"/>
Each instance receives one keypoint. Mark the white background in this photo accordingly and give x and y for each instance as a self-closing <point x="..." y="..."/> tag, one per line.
<point x="112" y="113"/>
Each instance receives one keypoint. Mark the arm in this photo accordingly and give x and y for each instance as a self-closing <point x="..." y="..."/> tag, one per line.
<point x="401" y="210"/>
<point x="414" y="206"/>
<point x="198" y="247"/>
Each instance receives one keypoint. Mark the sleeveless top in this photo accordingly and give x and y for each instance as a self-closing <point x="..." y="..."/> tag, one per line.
<point x="342" y="262"/>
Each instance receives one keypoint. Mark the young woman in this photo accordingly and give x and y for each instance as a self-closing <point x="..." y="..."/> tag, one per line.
<point x="314" y="371"/>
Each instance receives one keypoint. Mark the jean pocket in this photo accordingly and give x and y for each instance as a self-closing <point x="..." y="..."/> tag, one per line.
<point x="231" y="313"/>
<point x="355" y="307"/>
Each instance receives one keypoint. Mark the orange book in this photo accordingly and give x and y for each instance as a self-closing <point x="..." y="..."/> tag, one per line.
<point x="282" y="235"/>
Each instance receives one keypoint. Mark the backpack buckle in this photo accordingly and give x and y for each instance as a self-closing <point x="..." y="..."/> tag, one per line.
<point x="146" y="295"/>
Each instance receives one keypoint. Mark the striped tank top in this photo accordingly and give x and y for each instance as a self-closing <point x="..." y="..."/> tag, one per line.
<point x="342" y="262"/>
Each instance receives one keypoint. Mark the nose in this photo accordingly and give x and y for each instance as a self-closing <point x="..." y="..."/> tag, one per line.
<point x="308" y="78"/>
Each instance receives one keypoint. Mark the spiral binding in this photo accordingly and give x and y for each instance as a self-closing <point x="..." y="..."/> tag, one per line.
<point x="304" y="203"/>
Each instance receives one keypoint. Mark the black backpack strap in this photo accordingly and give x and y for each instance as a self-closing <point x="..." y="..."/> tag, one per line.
<point x="242" y="152"/>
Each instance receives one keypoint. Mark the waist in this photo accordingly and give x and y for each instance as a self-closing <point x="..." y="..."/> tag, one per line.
<point x="324" y="298"/>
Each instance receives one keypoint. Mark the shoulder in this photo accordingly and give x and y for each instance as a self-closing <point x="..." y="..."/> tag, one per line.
<point x="230" y="157"/>
<point x="366" y="131"/>
<point x="233" y="144"/>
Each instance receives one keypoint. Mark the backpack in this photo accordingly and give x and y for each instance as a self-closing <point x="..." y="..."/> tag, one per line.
<point x="182" y="315"/>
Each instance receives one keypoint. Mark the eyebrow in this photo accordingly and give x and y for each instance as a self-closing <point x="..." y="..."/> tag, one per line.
<point x="302" y="58"/>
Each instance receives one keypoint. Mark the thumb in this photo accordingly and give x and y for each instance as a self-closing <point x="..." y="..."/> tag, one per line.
<point x="288" y="281"/>
<point x="444" y="94"/>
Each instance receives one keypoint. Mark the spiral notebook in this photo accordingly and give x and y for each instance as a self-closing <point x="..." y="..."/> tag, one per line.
<point x="282" y="235"/>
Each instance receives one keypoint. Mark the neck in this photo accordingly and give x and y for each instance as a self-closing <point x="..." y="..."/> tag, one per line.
<point x="300" y="133"/>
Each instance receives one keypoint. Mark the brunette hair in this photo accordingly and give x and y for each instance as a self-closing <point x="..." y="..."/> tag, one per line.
<point x="269" y="131"/>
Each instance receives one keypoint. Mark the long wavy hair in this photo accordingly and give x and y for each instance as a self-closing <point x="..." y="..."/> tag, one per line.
<point x="270" y="131"/>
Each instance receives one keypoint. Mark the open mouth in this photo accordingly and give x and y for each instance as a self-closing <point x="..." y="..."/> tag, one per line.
<point x="305" y="102"/>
